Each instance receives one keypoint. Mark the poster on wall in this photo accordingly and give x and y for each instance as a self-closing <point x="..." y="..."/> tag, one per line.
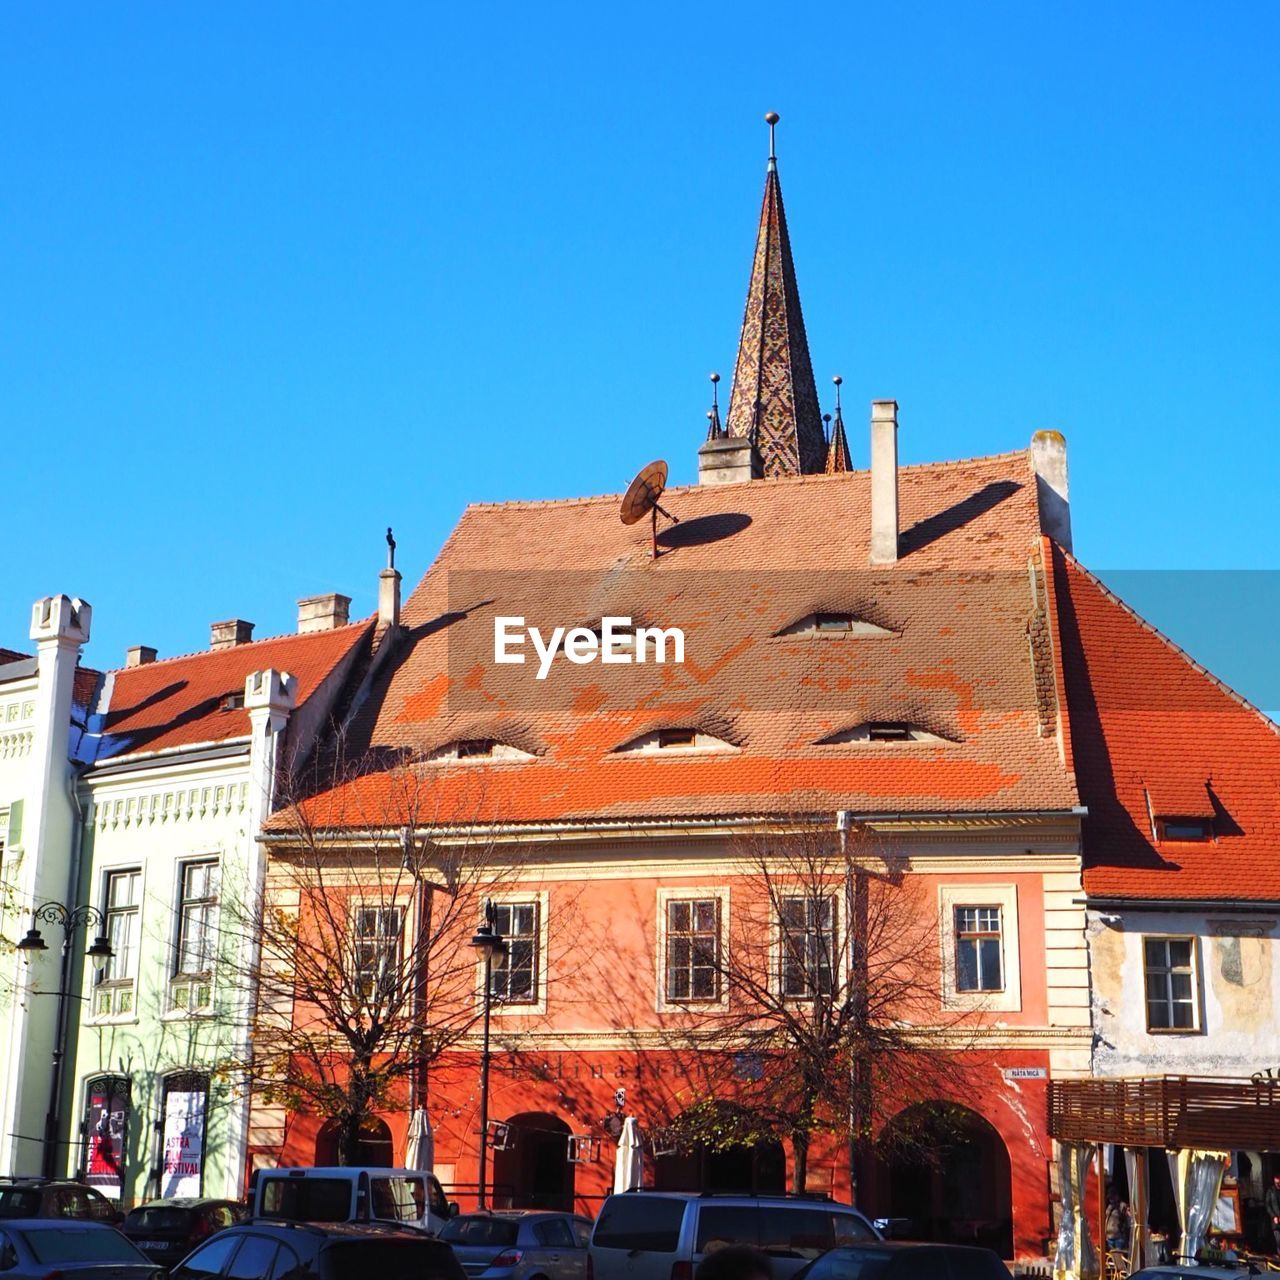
<point x="182" y="1170"/>
<point x="106" y="1122"/>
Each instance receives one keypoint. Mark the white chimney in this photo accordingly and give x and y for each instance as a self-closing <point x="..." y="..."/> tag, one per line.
<point x="388" y="599"/>
<point x="884" y="481"/>
<point x="323" y="613"/>
<point x="139" y="655"/>
<point x="1049" y="462"/>
<point x="226" y="635"/>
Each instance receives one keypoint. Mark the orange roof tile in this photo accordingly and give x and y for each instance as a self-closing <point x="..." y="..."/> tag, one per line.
<point x="745" y="562"/>
<point x="1147" y="719"/>
<point x="178" y="702"/>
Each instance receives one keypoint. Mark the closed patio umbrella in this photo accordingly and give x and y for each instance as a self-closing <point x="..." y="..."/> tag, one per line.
<point x="420" y="1145"/>
<point x="628" y="1164"/>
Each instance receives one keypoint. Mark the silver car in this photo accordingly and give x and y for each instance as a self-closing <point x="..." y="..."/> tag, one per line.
<point x="533" y="1245"/>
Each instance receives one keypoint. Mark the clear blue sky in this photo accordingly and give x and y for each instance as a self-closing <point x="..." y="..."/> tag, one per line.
<point x="276" y="276"/>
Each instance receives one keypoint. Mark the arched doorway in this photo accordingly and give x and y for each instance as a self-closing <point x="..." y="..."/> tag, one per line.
<point x="751" y="1164"/>
<point x="944" y="1172"/>
<point x="533" y="1171"/>
<point x="374" y="1147"/>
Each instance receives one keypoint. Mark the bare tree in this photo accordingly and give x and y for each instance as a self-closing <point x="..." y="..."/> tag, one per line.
<point x="358" y="945"/>
<point x="825" y="1005"/>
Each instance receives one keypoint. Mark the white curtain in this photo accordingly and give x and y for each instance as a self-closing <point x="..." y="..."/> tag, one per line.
<point x="1138" y="1201"/>
<point x="1197" y="1179"/>
<point x="1076" y="1258"/>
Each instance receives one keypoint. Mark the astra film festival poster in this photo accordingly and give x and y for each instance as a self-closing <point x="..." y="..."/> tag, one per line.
<point x="183" y="1142"/>
<point x="107" y="1114"/>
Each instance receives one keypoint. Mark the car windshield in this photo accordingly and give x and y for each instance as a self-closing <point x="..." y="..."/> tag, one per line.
<point x="848" y="1264"/>
<point x="67" y="1243"/>
<point x="649" y="1223"/>
<point x="480" y="1229"/>
<point x="307" y="1199"/>
<point x="19" y="1202"/>
<point x="389" y="1260"/>
<point x="158" y="1217"/>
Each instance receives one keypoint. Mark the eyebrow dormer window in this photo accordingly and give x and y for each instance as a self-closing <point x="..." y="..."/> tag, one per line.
<point x="233" y="702"/>
<point x="479" y="750"/>
<point x="884" y="731"/>
<point x="676" y="740"/>
<point x="1184" y="828"/>
<point x="834" y="625"/>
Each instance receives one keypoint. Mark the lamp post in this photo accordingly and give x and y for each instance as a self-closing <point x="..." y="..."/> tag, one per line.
<point x="491" y="947"/>
<point x="71" y="919"/>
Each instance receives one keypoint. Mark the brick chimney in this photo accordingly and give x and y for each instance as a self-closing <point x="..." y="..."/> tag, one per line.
<point x="139" y="655"/>
<point x="323" y="613"/>
<point x="226" y="635"/>
<point x="884" y="481"/>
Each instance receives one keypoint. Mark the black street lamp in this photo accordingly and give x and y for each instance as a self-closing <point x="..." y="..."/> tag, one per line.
<point x="491" y="947"/>
<point x="71" y="919"/>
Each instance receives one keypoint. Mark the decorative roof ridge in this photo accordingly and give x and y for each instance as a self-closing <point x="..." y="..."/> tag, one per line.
<point x="816" y="477"/>
<point x="251" y="644"/>
<point x="1173" y="645"/>
<point x="1055" y="644"/>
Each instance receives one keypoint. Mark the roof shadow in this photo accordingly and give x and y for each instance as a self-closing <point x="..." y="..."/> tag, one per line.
<point x="702" y="530"/>
<point x="930" y="529"/>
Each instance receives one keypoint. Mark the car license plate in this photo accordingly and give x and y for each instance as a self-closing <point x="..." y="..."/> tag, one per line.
<point x="153" y="1244"/>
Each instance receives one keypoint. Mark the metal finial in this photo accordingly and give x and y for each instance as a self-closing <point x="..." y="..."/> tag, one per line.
<point x="391" y="549"/>
<point x="771" y="118"/>
<point x="839" y="381"/>
<point x="716" y="431"/>
<point x="715" y="390"/>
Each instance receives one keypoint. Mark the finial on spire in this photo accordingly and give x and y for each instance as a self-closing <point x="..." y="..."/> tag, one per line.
<point x="771" y="118"/>
<point x="715" y="431"/>
<point x="391" y="549"/>
<point x="839" y="381"/>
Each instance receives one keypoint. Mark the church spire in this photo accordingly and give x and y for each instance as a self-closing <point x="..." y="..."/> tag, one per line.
<point x="774" y="401"/>
<point x="838" y="447"/>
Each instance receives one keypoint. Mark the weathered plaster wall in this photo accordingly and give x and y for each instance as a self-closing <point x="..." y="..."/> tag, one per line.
<point x="1238" y="971"/>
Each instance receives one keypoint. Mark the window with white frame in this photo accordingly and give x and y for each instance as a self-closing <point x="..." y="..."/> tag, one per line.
<point x="197" y="918"/>
<point x="807" y="945"/>
<point x="377" y="934"/>
<point x="1169" y="966"/>
<point x="515" y="981"/>
<point x="979" y="945"/>
<point x="978" y="934"/>
<point x="121" y="911"/>
<point x="692" y="959"/>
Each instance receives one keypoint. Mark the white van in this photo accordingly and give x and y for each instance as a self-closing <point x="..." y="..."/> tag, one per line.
<point x="351" y="1194"/>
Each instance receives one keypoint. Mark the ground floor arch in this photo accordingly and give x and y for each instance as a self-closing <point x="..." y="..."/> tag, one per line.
<point x="756" y="1165"/>
<point x="945" y="1175"/>
<point x="531" y="1165"/>
<point x="374" y="1147"/>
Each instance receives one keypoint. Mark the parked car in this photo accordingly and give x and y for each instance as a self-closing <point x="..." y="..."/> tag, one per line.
<point x="55" y="1198"/>
<point x="167" y="1230"/>
<point x="1184" y="1271"/>
<point x="36" y="1248"/>
<point x="901" y="1260"/>
<point x="521" y="1245"/>
<point x="659" y="1235"/>
<point x="350" y="1194"/>
<point x="264" y="1250"/>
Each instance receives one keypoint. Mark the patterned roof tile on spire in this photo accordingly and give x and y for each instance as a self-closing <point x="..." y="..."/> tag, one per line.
<point x="838" y="449"/>
<point x="774" y="399"/>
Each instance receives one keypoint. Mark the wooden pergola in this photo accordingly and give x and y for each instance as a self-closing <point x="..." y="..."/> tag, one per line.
<point x="1174" y="1112"/>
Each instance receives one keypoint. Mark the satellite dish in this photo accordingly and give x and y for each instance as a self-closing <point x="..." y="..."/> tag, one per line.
<point x="641" y="499"/>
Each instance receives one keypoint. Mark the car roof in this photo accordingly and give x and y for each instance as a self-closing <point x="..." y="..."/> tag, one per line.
<point x="344" y="1171"/>
<point x="818" y="1200"/>
<point x="519" y="1213"/>
<point x="345" y="1230"/>
<point x="181" y="1202"/>
<point x="1201" y="1273"/>
<point x="901" y="1246"/>
<point x="30" y="1224"/>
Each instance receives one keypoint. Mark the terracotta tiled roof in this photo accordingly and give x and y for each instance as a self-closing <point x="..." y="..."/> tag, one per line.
<point x="1149" y="722"/>
<point x="745" y="563"/>
<point x="12" y="655"/>
<point x="178" y="702"/>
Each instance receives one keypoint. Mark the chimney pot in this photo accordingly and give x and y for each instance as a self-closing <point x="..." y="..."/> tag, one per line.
<point x="884" y="481"/>
<point x="139" y="655"/>
<point x="228" y="634"/>
<point x="323" y="613"/>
